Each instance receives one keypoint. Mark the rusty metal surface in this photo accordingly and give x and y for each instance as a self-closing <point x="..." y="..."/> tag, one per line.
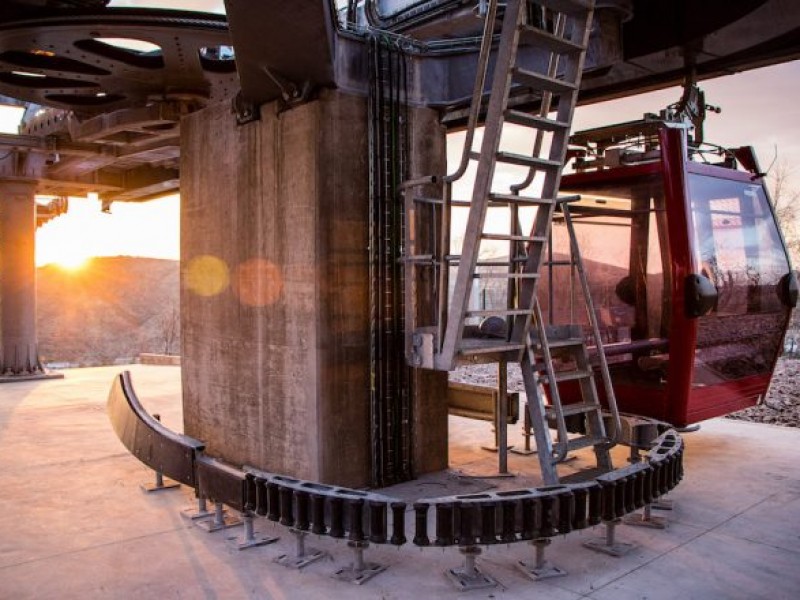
<point x="63" y="58"/>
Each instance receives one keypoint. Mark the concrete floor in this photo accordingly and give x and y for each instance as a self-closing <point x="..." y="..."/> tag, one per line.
<point x="74" y="523"/>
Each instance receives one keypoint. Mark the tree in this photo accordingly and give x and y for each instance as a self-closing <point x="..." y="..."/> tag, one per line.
<point x="785" y="200"/>
<point x="169" y="326"/>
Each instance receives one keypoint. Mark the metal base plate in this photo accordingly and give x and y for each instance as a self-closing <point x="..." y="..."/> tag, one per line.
<point x="298" y="562"/>
<point x="357" y="577"/>
<point x="662" y="504"/>
<point x="211" y="525"/>
<point x="616" y="549"/>
<point x="194" y="514"/>
<point x="169" y="484"/>
<point x="495" y="448"/>
<point x="638" y="520"/>
<point x="466" y="583"/>
<point x="522" y="451"/>
<point x="256" y="542"/>
<point x="546" y="571"/>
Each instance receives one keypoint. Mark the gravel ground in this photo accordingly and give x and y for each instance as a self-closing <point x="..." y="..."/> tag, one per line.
<point x="781" y="407"/>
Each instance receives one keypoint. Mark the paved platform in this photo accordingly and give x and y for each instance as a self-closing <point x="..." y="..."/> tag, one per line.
<point x="75" y="524"/>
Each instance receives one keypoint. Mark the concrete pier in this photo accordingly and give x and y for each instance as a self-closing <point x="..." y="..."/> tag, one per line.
<point x="275" y="289"/>
<point x="18" y="279"/>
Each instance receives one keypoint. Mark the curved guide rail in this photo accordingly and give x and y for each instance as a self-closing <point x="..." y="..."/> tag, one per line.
<point x="173" y="454"/>
<point x="501" y="517"/>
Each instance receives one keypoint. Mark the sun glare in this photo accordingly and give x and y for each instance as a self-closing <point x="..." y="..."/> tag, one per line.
<point x="72" y="261"/>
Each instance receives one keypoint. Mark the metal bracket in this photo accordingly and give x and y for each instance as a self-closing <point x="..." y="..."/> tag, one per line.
<point x="250" y="540"/>
<point x="540" y="569"/>
<point x="469" y="577"/>
<point x="303" y="556"/>
<point x="245" y="111"/>
<point x="221" y="520"/>
<point x="608" y="544"/>
<point x="359" y="571"/>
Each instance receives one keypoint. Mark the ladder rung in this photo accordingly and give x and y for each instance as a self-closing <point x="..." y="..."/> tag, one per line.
<point x="579" y="408"/>
<point x="565" y="6"/>
<point x="439" y="201"/>
<point x="562" y="376"/>
<point x="554" y="43"/>
<point x="506" y="275"/>
<point x="489" y="348"/>
<point x="504" y="312"/>
<point x="585" y="441"/>
<point x="527" y="120"/>
<point x="501" y="263"/>
<point x="527" y="161"/>
<point x="563" y="343"/>
<point x="558" y="263"/>
<point x="539" y="81"/>
<point x="504" y="237"/>
<point x="521" y="200"/>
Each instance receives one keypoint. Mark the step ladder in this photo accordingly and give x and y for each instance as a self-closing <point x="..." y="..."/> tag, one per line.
<point x="548" y="342"/>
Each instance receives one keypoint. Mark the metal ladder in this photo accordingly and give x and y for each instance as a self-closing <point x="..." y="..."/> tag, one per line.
<point x="561" y="27"/>
<point x="567" y="342"/>
<point x="435" y="339"/>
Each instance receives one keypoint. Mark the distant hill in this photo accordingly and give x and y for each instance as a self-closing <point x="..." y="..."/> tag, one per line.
<point x="109" y="310"/>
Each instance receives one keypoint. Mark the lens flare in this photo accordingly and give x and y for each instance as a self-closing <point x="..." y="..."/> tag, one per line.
<point x="207" y="275"/>
<point x="258" y="282"/>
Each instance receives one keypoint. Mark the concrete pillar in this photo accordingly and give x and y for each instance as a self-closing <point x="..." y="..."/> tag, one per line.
<point x="275" y="288"/>
<point x="18" y="279"/>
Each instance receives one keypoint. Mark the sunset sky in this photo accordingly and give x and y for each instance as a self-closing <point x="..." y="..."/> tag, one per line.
<point x="759" y="108"/>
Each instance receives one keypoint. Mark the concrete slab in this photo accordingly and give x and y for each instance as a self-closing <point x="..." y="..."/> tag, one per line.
<point x="74" y="524"/>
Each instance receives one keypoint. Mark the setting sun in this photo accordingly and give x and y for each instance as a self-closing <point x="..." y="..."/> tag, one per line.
<point x="72" y="261"/>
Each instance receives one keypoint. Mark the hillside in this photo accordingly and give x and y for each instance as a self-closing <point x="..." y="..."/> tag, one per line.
<point x="110" y="310"/>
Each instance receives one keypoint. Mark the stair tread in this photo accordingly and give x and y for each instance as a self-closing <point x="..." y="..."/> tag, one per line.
<point x="498" y="312"/>
<point x="527" y="161"/>
<point x="528" y="120"/>
<point x="572" y="375"/>
<point x="540" y="81"/>
<point x="516" y="199"/>
<point x="574" y="409"/>
<point x="554" y="43"/>
<point x="585" y="441"/>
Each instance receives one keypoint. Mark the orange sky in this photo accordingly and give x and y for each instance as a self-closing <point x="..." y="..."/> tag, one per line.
<point x="760" y="108"/>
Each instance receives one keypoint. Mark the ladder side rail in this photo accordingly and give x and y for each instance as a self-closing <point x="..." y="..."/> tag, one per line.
<point x="544" y="109"/>
<point x="501" y="84"/>
<point x="477" y="91"/>
<point x="593" y="323"/>
<point x="561" y="447"/>
<point x="594" y="418"/>
<point x="538" y="419"/>
<point x="581" y="26"/>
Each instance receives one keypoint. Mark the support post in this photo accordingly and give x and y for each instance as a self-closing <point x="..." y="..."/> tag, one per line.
<point x="221" y="520"/>
<point x="609" y="545"/>
<point x="250" y="539"/>
<point x="303" y="556"/>
<point x="19" y="354"/>
<point x="540" y="568"/>
<point x="359" y="571"/>
<point x="469" y="577"/>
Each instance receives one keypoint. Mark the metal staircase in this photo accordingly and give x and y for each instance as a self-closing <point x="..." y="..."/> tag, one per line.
<point x="440" y="329"/>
